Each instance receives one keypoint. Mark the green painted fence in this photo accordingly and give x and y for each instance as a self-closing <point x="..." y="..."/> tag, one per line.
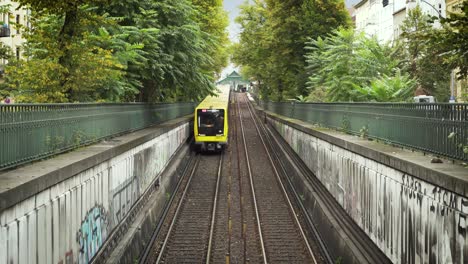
<point x="31" y="132"/>
<point x="441" y="129"/>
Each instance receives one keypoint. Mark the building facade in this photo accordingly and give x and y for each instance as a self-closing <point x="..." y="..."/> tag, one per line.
<point x="235" y="81"/>
<point x="383" y="18"/>
<point x="374" y="18"/>
<point x="11" y="34"/>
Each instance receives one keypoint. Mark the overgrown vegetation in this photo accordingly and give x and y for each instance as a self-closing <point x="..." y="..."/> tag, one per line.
<point x="271" y="48"/>
<point x="315" y="55"/>
<point x="348" y="66"/>
<point x="100" y="50"/>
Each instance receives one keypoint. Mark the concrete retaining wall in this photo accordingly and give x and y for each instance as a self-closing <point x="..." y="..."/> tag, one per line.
<point x="409" y="219"/>
<point x="69" y="221"/>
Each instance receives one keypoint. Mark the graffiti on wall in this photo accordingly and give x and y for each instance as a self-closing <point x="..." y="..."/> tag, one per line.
<point x="61" y="229"/>
<point x="68" y="258"/>
<point x="92" y="234"/>
<point x="411" y="220"/>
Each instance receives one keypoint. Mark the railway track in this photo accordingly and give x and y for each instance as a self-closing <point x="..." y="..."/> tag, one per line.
<point x="282" y="236"/>
<point x="188" y="237"/>
<point x="286" y="165"/>
<point x="288" y="160"/>
<point x="234" y="207"/>
<point x="236" y="234"/>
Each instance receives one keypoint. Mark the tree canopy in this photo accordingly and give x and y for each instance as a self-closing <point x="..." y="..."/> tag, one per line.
<point x="420" y="56"/>
<point x="348" y="66"/>
<point x="128" y="50"/>
<point x="273" y="38"/>
<point x="294" y="50"/>
<point x="452" y="40"/>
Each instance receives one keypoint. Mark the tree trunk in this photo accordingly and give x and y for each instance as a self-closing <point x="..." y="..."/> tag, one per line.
<point x="149" y="93"/>
<point x="66" y="35"/>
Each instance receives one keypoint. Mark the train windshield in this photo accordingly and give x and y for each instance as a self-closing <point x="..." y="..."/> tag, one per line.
<point x="210" y="122"/>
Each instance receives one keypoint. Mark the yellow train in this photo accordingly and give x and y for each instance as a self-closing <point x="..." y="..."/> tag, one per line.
<point x="211" y="121"/>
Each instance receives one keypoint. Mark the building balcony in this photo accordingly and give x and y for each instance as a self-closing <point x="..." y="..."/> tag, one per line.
<point x="4" y="31"/>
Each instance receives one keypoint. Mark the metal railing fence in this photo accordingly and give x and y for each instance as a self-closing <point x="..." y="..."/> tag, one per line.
<point x="441" y="129"/>
<point x="31" y="132"/>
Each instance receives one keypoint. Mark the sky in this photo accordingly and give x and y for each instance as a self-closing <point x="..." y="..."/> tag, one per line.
<point x="232" y="7"/>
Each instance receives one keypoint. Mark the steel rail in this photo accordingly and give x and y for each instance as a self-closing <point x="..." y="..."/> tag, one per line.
<point x="357" y="236"/>
<point x="252" y="187"/>
<point x="278" y="177"/>
<point x="174" y="220"/>
<point x="239" y="177"/>
<point x="270" y="138"/>
<point x="155" y="234"/>
<point x="213" y="216"/>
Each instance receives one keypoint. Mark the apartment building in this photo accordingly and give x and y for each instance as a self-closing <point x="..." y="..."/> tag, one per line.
<point x="382" y="18"/>
<point x="10" y="33"/>
<point x="374" y="18"/>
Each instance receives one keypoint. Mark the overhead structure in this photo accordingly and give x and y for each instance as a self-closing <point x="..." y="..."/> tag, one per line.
<point x="235" y="81"/>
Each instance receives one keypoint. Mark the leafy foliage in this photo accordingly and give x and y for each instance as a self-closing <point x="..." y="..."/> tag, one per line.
<point x="253" y="51"/>
<point x="96" y="50"/>
<point x="213" y="20"/>
<point x="347" y="66"/>
<point x="395" y="88"/>
<point x="91" y="73"/>
<point x="420" y="55"/>
<point x="452" y="41"/>
<point x="342" y="65"/>
<point x="271" y="48"/>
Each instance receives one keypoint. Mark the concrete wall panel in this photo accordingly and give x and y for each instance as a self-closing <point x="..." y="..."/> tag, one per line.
<point x="41" y="233"/>
<point x="70" y="221"/>
<point x="3" y="244"/>
<point x="23" y="240"/>
<point x="412" y="221"/>
<point x="32" y="238"/>
<point x="13" y="242"/>
<point x="47" y="235"/>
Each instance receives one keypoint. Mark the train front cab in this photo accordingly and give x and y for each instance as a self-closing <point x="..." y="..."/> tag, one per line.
<point x="211" y="129"/>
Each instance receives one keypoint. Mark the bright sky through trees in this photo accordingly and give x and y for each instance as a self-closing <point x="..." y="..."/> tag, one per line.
<point x="232" y="7"/>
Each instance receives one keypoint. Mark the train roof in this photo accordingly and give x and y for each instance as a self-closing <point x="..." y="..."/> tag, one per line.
<point x="220" y="101"/>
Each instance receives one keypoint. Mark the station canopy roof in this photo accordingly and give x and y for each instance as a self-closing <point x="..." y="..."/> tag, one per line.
<point x="233" y="79"/>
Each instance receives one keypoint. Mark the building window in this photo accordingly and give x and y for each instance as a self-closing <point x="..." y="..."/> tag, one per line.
<point x="18" y="24"/>
<point x="385" y="3"/>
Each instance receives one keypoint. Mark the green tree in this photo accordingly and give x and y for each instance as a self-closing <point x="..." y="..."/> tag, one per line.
<point x="253" y="52"/>
<point x="69" y="13"/>
<point x="395" y="88"/>
<point x="421" y="56"/>
<point x="128" y="50"/>
<point x="274" y="36"/>
<point x="178" y="62"/>
<point x="91" y="73"/>
<point x="453" y="40"/>
<point x="182" y="57"/>
<point x="348" y="66"/>
<point x="213" y="20"/>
